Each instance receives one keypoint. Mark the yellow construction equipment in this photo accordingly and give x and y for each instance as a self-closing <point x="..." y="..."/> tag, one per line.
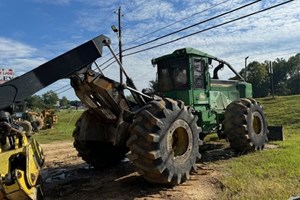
<point x="48" y="118"/>
<point x="37" y="120"/>
<point x="21" y="160"/>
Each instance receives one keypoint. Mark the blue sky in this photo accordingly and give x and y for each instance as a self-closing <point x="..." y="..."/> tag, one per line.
<point x="35" y="31"/>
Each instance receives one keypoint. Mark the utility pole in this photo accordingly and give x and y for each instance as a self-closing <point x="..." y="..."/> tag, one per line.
<point x="119" y="34"/>
<point x="271" y="78"/>
<point x="245" y="73"/>
<point x="120" y="42"/>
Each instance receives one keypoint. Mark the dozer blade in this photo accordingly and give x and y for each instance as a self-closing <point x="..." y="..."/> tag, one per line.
<point x="275" y="133"/>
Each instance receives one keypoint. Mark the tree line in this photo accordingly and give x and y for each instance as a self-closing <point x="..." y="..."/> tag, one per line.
<point x="286" y="76"/>
<point x="49" y="99"/>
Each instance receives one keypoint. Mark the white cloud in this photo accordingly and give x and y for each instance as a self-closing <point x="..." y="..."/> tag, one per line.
<point x="262" y="37"/>
<point x="18" y="56"/>
<point x="11" y="49"/>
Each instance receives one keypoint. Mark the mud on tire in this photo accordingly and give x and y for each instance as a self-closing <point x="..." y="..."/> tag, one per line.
<point x="99" y="154"/>
<point x="164" y="141"/>
<point x="245" y="125"/>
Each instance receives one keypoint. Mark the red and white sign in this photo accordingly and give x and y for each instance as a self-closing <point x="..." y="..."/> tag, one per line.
<point x="6" y="75"/>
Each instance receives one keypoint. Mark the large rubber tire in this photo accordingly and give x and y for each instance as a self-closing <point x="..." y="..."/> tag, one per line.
<point x="99" y="154"/>
<point x="27" y="127"/>
<point x="164" y="141"/>
<point x="245" y="125"/>
<point x="39" y="123"/>
<point x="40" y="189"/>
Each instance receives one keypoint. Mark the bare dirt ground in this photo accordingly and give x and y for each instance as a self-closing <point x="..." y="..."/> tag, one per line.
<point x="67" y="177"/>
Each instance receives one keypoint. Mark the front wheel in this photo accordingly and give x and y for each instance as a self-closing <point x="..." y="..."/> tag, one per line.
<point x="245" y="125"/>
<point x="164" y="141"/>
<point x="99" y="154"/>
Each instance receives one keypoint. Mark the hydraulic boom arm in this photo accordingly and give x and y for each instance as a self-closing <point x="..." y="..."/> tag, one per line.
<point x="58" y="68"/>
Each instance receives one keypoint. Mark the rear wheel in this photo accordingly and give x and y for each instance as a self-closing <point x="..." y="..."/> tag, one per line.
<point x="245" y="125"/>
<point x="164" y="141"/>
<point x="99" y="154"/>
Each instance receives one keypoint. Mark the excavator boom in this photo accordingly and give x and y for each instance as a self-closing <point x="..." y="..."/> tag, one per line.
<point x="18" y="89"/>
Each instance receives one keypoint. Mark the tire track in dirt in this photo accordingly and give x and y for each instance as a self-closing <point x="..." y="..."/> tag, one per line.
<point x="67" y="177"/>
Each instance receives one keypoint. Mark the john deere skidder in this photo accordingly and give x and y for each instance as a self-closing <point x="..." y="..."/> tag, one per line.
<point x="160" y="134"/>
<point x="163" y="133"/>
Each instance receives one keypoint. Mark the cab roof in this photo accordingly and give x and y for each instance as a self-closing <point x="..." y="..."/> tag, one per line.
<point x="183" y="51"/>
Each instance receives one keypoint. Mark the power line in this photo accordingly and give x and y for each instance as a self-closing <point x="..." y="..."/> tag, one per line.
<point x="64" y="90"/>
<point x="254" y="13"/>
<point x="193" y="25"/>
<point x="94" y="68"/>
<point x="181" y="29"/>
<point x="101" y="65"/>
<point x="212" y="27"/>
<point x="178" y="21"/>
<point x="137" y="6"/>
<point x="105" y="21"/>
<point x="71" y="87"/>
<point x="104" y="68"/>
<point x="60" y="88"/>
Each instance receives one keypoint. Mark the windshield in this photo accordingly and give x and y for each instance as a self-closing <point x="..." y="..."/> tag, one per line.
<point x="172" y="74"/>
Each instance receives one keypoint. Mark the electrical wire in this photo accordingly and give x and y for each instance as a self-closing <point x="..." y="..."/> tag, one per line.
<point x="176" y="22"/>
<point x="60" y="88"/>
<point x="254" y="13"/>
<point x="193" y="25"/>
<point x="105" y="21"/>
<point x="282" y="55"/>
<point x="137" y="6"/>
<point x="212" y="27"/>
<point x="93" y="69"/>
<point x="104" y="68"/>
<point x="71" y="87"/>
<point x="64" y="90"/>
<point x="106" y="61"/>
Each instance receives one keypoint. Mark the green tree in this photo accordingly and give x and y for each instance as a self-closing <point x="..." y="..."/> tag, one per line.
<point x="64" y="102"/>
<point x="257" y="74"/>
<point x="293" y="82"/>
<point x="281" y="72"/>
<point x="35" y="102"/>
<point x="50" y="98"/>
<point x="293" y="65"/>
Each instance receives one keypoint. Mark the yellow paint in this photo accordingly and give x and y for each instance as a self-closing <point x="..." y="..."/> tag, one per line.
<point x="34" y="159"/>
<point x="220" y="85"/>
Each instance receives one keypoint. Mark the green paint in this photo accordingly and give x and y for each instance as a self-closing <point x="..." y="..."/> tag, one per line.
<point x="184" y="75"/>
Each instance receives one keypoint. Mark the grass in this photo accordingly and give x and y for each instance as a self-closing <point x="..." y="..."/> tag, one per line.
<point x="274" y="173"/>
<point x="61" y="131"/>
